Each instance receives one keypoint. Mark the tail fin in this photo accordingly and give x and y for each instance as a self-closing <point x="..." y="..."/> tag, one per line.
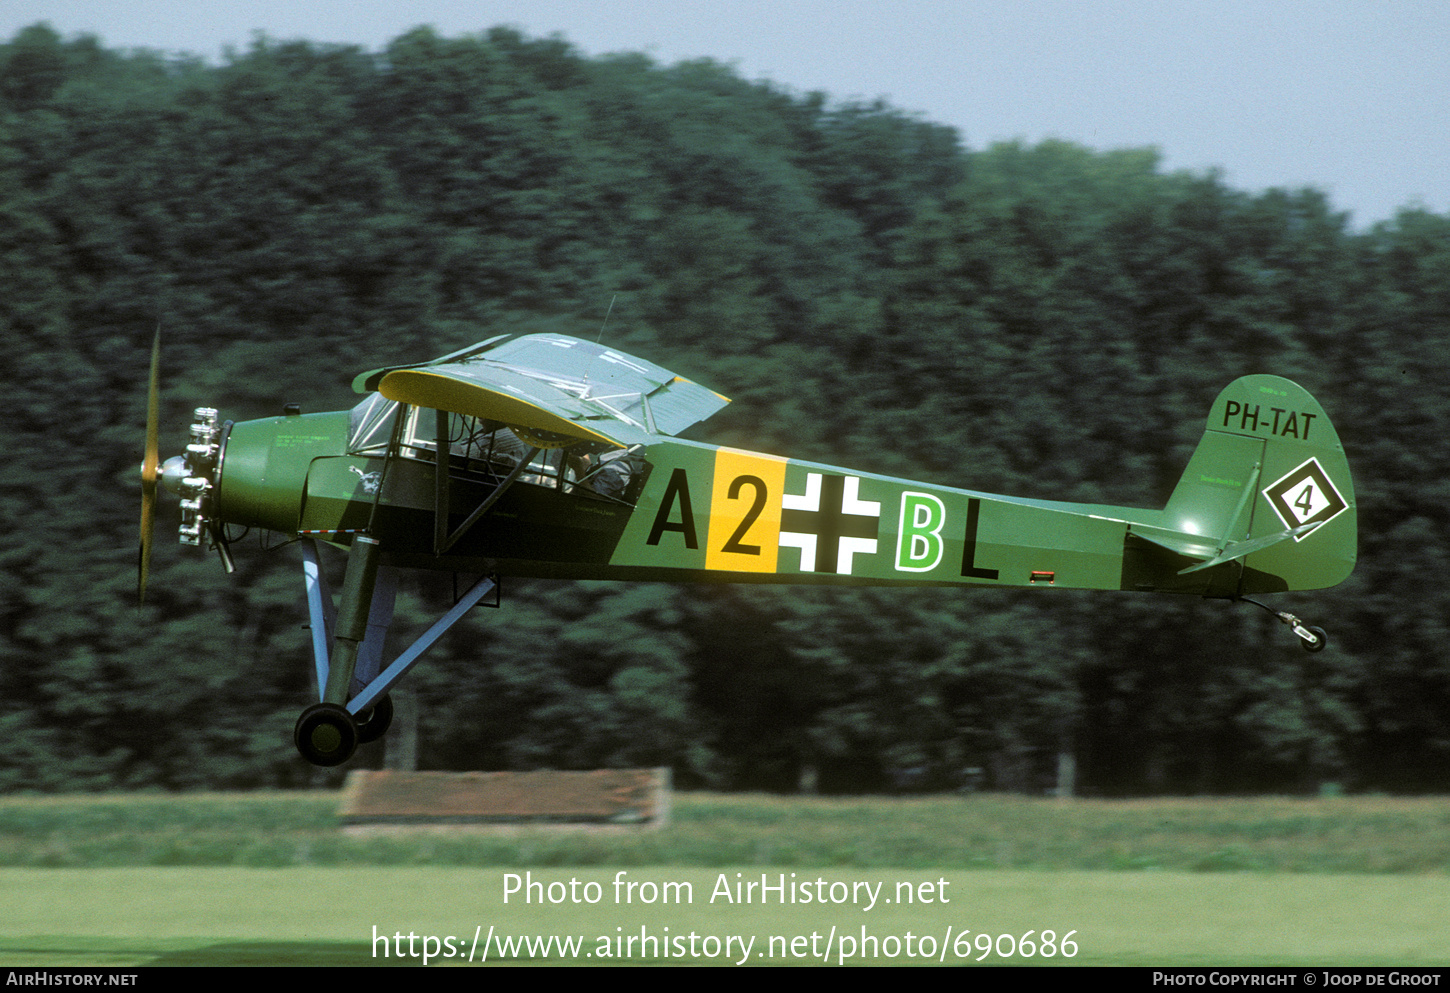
<point x="1267" y="495"/>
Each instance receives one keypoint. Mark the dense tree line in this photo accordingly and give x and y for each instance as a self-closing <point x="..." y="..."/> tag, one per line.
<point x="1042" y="320"/>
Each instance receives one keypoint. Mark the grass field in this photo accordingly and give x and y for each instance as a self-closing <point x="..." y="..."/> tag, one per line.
<point x="230" y="879"/>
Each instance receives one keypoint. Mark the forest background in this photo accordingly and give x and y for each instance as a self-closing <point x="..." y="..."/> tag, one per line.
<point x="1045" y="321"/>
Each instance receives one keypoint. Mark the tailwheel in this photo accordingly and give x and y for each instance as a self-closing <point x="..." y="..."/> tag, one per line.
<point x="375" y="723"/>
<point x="1313" y="639"/>
<point x="326" y="734"/>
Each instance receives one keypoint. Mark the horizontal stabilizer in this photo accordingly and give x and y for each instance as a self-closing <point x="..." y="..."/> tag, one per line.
<point x="1194" y="546"/>
<point x="1238" y="549"/>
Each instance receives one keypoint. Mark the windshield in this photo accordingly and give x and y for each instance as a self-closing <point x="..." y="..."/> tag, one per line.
<point x="370" y="425"/>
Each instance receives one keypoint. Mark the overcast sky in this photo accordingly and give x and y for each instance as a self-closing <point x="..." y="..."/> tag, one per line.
<point x="1352" y="97"/>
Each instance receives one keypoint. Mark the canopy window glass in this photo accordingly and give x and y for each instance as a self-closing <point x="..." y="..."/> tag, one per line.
<point x="479" y="446"/>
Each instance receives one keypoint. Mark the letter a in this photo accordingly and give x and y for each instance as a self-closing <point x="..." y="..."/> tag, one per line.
<point x="677" y="488"/>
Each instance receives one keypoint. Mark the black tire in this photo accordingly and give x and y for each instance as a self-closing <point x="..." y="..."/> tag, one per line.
<point x="1320" y="640"/>
<point x="326" y="734"/>
<point x="375" y="722"/>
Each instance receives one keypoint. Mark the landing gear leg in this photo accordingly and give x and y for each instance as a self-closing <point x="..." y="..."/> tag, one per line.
<point x="1313" y="639"/>
<point x="327" y="733"/>
<point x="352" y="617"/>
<point x="355" y="707"/>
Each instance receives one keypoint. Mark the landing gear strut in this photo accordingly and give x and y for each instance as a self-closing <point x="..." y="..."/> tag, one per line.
<point x="1313" y="639"/>
<point x="347" y="646"/>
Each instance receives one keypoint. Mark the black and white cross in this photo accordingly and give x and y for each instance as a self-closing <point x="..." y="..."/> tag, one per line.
<point x="829" y="523"/>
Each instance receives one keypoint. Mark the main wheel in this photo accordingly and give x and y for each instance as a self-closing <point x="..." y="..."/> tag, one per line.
<point x="1320" y="640"/>
<point x="375" y="722"/>
<point x="326" y="734"/>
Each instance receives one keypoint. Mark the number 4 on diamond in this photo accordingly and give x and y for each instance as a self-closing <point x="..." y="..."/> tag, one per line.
<point x="1305" y="496"/>
<point x="1309" y="502"/>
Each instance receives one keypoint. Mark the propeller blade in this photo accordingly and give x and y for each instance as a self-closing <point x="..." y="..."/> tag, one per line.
<point x="149" y="473"/>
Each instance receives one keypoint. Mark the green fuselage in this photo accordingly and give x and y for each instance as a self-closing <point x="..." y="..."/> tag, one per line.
<point x="695" y="512"/>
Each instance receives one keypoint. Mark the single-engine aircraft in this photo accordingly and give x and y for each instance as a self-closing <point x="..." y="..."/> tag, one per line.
<point x="540" y="455"/>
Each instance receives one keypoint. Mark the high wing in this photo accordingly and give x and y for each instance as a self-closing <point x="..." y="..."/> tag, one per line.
<point x="552" y="383"/>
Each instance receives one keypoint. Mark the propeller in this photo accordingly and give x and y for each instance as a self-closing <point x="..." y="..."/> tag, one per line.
<point x="150" y="469"/>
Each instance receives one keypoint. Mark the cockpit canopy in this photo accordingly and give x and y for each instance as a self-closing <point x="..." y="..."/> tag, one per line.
<point x="481" y="447"/>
